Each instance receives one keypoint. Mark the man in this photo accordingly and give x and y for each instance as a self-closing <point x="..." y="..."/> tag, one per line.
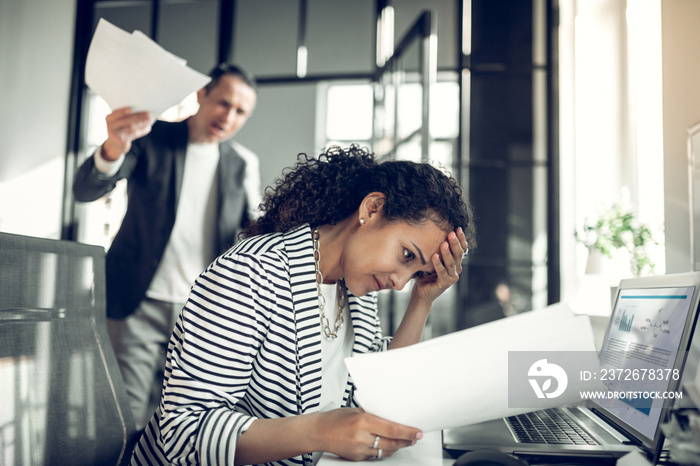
<point x="190" y="192"/>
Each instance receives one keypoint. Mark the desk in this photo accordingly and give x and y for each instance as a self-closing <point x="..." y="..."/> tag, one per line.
<point x="426" y="452"/>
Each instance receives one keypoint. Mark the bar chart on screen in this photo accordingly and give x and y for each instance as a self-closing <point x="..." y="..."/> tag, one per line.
<point x="625" y="324"/>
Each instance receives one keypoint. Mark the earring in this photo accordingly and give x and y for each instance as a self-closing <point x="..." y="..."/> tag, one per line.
<point x="362" y="221"/>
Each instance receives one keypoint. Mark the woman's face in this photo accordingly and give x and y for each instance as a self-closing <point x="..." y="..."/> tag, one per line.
<point x="384" y="255"/>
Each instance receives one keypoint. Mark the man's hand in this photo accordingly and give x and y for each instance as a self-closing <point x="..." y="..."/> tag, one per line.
<point x="123" y="127"/>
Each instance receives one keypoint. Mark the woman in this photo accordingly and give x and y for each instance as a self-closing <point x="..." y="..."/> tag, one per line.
<point x="255" y="370"/>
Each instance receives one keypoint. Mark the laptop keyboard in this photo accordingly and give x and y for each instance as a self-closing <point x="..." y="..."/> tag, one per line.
<point x="548" y="426"/>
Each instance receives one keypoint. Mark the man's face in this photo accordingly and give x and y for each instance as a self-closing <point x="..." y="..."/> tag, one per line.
<point x="223" y="111"/>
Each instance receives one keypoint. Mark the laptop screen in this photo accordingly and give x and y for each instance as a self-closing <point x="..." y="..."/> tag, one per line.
<point x="639" y="359"/>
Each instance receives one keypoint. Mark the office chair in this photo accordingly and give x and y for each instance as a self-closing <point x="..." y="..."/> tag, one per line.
<point x="63" y="399"/>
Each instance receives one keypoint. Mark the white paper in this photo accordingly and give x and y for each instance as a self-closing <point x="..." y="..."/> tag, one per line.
<point x="462" y="378"/>
<point x="130" y="70"/>
<point x="426" y="452"/>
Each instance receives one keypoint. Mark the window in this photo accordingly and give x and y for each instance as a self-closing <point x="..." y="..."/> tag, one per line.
<point x="347" y="117"/>
<point x="610" y="120"/>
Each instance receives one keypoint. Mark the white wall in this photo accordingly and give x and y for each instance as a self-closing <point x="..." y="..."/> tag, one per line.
<point x="681" y="110"/>
<point x="282" y="126"/>
<point x="36" y="54"/>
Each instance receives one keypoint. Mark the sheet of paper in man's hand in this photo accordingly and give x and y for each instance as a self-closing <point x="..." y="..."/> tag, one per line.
<point x="130" y="70"/>
<point x="462" y="378"/>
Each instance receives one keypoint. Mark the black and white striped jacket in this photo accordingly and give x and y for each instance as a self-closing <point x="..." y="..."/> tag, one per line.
<point x="247" y="345"/>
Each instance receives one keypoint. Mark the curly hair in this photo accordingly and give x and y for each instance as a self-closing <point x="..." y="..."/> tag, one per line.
<point x="329" y="188"/>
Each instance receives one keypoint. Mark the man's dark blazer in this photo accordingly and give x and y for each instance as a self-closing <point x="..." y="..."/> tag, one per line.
<point x="154" y="169"/>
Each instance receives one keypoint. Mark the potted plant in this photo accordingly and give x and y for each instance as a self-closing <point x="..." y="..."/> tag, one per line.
<point x="617" y="229"/>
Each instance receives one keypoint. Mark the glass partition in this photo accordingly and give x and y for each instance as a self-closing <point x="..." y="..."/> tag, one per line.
<point x="406" y="89"/>
<point x="403" y="92"/>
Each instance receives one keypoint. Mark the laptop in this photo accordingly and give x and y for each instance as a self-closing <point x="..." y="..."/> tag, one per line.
<point x="650" y="327"/>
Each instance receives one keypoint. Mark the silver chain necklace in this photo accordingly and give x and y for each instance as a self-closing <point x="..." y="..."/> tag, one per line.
<point x="340" y="296"/>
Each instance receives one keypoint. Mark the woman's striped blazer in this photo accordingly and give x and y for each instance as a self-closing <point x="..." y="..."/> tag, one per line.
<point x="247" y="345"/>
